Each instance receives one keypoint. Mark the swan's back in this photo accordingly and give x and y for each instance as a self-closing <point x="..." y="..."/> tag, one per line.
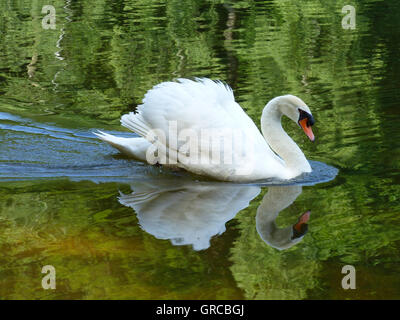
<point x="199" y="104"/>
<point x="204" y="110"/>
<point x="186" y="94"/>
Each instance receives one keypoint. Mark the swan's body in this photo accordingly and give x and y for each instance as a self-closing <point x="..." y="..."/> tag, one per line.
<point x="198" y="126"/>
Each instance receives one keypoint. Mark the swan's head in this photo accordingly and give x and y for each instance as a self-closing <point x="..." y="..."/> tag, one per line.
<point x="285" y="238"/>
<point x="294" y="108"/>
<point x="300" y="228"/>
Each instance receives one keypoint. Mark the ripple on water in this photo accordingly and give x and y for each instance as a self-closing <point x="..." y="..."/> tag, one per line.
<point x="321" y="172"/>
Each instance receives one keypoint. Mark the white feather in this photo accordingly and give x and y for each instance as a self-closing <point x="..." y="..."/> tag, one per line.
<point x="172" y="109"/>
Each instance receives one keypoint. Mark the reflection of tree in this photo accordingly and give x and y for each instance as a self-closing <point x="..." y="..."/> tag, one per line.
<point x="98" y="248"/>
<point x="344" y="229"/>
<point x="103" y="253"/>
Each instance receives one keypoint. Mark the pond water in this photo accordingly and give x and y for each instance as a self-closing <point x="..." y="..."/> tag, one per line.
<point x="115" y="228"/>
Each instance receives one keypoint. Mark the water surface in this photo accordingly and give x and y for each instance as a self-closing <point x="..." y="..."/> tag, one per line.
<point x="71" y="201"/>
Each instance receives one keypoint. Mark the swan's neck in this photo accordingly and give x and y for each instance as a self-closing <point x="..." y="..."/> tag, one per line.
<point x="280" y="142"/>
<point x="276" y="200"/>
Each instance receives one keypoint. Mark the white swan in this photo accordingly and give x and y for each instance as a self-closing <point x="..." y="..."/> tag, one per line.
<point x="198" y="126"/>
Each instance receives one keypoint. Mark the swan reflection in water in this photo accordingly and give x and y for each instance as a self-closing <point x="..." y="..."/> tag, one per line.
<point x="191" y="213"/>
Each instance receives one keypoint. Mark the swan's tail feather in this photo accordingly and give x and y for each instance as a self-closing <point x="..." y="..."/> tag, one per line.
<point x="136" y="123"/>
<point x="112" y="140"/>
<point x="119" y="143"/>
<point x="132" y="147"/>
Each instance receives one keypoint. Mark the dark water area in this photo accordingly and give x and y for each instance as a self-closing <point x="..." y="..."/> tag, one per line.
<point x="115" y="228"/>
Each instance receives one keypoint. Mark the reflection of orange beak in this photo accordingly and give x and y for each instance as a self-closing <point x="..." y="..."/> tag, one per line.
<point x="307" y="129"/>
<point x="302" y="220"/>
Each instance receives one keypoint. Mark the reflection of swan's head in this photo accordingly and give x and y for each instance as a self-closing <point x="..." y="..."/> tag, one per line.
<point x="295" y="109"/>
<point x="285" y="238"/>
<point x="276" y="200"/>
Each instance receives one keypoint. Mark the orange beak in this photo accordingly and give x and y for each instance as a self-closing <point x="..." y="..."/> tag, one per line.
<point x="302" y="220"/>
<point x="307" y="129"/>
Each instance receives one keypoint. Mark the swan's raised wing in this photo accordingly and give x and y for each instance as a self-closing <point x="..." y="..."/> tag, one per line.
<point x="198" y="125"/>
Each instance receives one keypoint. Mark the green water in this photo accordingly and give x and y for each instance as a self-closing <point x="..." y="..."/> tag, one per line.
<point x="59" y="186"/>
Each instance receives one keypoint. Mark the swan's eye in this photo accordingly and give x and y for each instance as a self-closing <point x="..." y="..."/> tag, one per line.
<point x="305" y="115"/>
